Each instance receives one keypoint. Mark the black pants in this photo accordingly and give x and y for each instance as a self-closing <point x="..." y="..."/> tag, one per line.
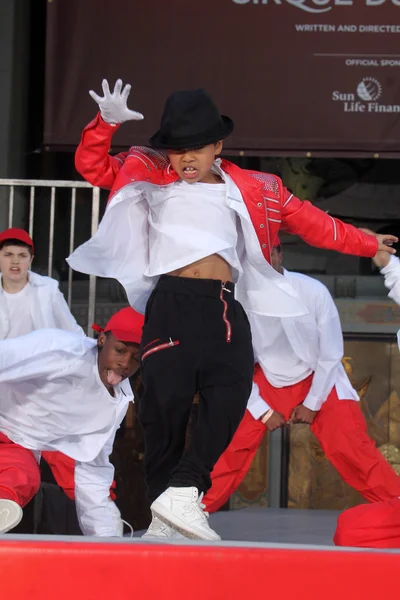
<point x="196" y="338"/>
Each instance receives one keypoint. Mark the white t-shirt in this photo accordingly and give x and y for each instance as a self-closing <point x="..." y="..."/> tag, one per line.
<point x="19" y="312"/>
<point x="281" y="365"/>
<point x="189" y="221"/>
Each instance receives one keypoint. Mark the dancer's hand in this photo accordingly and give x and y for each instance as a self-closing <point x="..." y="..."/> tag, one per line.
<point x="275" y="421"/>
<point x="385" y="241"/>
<point x="302" y="414"/>
<point x="381" y="259"/>
<point x="113" y="105"/>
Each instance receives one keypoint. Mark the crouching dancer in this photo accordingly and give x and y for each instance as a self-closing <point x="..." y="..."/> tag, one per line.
<point x="375" y="525"/>
<point x="61" y="391"/>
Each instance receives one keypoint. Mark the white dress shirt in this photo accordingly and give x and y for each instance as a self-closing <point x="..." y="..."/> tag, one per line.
<point x="52" y="398"/>
<point x="392" y="281"/>
<point x="188" y="222"/>
<point x="392" y="278"/>
<point x="42" y="307"/>
<point x="311" y="343"/>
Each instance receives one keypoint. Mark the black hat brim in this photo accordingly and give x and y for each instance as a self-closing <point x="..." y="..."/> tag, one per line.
<point x="222" y="131"/>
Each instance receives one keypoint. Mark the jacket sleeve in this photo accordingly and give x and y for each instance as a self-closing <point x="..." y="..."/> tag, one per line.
<point x="392" y="278"/>
<point x="63" y="317"/>
<point x="319" y="229"/>
<point x="330" y="350"/>
<point x="92" y="158"/>
<point x="98" y="515"/>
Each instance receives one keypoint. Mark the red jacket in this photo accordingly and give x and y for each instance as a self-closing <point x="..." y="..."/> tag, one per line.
<point x="271" y="206"/>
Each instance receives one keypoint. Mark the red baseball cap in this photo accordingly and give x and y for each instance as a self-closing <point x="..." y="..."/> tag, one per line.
<point x="125" y="325"/>
<point x="16" y="234"/>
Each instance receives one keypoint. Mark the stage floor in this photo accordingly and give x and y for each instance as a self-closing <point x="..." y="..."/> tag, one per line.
<point x="275" y="526"/>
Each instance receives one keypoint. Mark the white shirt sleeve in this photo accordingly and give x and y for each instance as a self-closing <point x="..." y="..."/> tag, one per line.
<point x="39" y="355"/>
<point x="63" y="317"/>
<point x="255" y="404"/>
<point x="330" y="351"/>
<point x="392" y="278"/>
<point x="98" y="515"/>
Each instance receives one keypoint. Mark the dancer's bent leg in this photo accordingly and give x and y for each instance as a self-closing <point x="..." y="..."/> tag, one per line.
<point x="374" y="525"/>
<point x="342" y="432"/>
<point x="19" y="481"/>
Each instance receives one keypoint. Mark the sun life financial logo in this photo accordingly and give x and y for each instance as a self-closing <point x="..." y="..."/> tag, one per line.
<point x="317" y="6"/>
<point x="369" y="89"/>
<point x="365" y="99"/>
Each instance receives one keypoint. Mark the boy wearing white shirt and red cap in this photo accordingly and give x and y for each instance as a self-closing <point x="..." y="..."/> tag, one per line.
<point x="302" y="380"/>
<point x="189" y="237"/>
<point x="61" y="391"/>
<point x="375" y="525"/>
<point x="28" y="301"/>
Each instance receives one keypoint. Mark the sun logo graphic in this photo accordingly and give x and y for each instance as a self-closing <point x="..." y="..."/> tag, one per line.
<point x="369" y="89"/>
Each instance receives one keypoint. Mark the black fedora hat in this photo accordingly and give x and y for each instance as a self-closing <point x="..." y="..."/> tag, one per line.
<point x="190" y="120"/>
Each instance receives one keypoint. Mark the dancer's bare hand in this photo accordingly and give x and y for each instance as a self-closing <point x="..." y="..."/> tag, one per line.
<point x="381" y="259"/>
<point x="302" y="414"/>
<point x="385" y="241"/>
<point x="113" y="105"/>
<point x="275" y="421"/>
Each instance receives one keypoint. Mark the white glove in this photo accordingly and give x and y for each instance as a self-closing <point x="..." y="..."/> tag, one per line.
<point x="113" y="106"/>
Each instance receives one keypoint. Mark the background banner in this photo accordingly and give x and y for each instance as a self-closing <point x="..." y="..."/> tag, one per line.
<point x="296" y="76"/>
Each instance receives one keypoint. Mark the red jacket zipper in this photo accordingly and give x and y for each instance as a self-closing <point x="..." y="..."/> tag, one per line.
<point x="224" y="314"/>
<point x="169" y="344"/>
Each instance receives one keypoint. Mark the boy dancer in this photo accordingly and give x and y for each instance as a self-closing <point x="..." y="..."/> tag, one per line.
<point x="302" y="380"/>
<point x="375" y="525"/>
<point x="28" y="301"/>
<point x="61" y="391"/>
<point x="196" y="226"/>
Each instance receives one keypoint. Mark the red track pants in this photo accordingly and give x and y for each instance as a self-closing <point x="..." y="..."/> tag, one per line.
<point x="340" y="429"/>
<point x="19" y="472"/>
<point x="63" y="469"/>
<point x="370" y="525"/>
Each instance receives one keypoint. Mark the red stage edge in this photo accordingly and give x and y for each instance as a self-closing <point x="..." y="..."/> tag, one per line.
<point x="75" y="570"/>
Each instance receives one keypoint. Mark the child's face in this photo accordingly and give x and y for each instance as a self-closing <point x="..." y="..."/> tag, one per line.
<point x="15" y="262"/>
<point x="276" y="259"/>
<point x="195" y="165"/>
<point x="117" y="360"/>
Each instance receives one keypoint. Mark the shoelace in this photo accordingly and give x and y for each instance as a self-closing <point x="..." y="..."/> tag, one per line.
<point x="201" y="504"/>
<point x="128" y="525"/>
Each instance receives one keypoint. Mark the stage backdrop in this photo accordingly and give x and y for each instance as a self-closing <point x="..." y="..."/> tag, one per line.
<point x="295" y="75"/>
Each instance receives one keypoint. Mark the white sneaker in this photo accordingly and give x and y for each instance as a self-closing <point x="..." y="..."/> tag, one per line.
<point x="161" y="531"/>
<point x="181" y="508"/>
<point x="10" y="515"/>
